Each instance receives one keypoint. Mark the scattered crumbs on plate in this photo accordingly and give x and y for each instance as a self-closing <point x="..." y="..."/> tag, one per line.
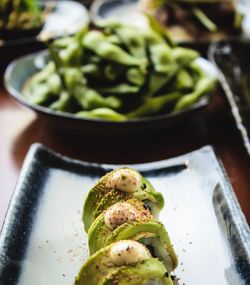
<point x="183" y="250"/>
<point x="59" y="259"/>
<point x="176" y="280"/>
<point x="190" y="242"/>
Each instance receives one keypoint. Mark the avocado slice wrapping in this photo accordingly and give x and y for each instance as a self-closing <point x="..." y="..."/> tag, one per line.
<point x="100" y="270"/>
<point x="147" y="231"/>
<point x="127" y="244"/>
<point x="99" y="232"/>
<point x="102" y="196"/>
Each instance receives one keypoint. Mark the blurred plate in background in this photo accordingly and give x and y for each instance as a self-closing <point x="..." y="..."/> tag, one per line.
<point x="131" y="12"/>
<point x="64" y="18"/>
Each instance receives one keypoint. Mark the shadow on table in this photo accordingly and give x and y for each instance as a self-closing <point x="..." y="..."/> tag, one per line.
<point x="215" y="127"/>
<point x="173" y="141"/>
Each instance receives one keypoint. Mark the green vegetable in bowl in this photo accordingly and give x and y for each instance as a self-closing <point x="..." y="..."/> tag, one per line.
<point x="20" y="14"/>
<point x="118" y="72"/>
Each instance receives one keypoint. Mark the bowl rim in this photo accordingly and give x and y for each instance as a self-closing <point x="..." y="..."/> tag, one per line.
<point x="18" y="96"/>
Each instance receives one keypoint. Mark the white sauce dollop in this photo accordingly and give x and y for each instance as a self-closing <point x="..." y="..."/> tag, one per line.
<point x="127" y="252"/>
<point x="119" y="214"/>
<point x="127" y="180"/>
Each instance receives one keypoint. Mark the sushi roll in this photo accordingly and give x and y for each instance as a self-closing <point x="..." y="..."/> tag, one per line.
<point x="115" y="186"/>
<point x="129" y="220"/>
<point x="123" y="262"/>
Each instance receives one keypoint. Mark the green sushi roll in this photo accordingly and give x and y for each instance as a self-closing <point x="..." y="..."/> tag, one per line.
<point x="124" y="262"/>
<point x="120" y="185"/>
<point x="129" y="220"/>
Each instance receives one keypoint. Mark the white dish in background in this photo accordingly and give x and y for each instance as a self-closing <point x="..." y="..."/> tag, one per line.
<point x="68" y="18"/>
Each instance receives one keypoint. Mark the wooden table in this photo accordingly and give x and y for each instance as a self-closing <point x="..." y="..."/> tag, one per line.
<point x="19" y="128"/>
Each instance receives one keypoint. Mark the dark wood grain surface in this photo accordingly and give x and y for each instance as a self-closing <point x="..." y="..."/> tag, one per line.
<point x="19" y="128"/>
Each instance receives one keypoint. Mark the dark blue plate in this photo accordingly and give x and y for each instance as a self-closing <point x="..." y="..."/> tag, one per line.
<point x="43" y="239"/>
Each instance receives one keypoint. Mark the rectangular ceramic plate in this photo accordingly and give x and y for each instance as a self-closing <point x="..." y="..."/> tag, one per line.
<point x="43" y="240"/>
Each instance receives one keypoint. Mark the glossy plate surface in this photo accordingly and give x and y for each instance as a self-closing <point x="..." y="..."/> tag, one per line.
<point x="43" y="240"/>
<point x="232" y="60"/>
<point x="22" y="69"/>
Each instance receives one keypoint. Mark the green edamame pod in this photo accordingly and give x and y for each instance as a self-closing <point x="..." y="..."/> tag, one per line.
<point x="40" y="94"/>
<point x="158" y="80"/>
<point x="196" y="68"/>
<point x="72" y="76"/>
<point x="44" y="74"/>
<point x="159" y="29"/>
<point x="63" y="103"/>
<point x="154" y="105"/>
<point x="160" y="53"/>
<point x="134" y="41"/>
<point x="161" y="57"/>
<point x="87" y="98"/>
<point x="136" y="76"/>
<point x="121" y="88"/>
<point x="113" y="39"/>
<point x="91" y="69"/>
<point x="67" y="50"/>
<point x="102" y="113"/>
<point x="54" y="83"/>
<point x="204" y="20"/>
<point x="96" y="41"/>
<point x="203" y="86"/>
<point x="184" y="55"/>
<point x="43" y="85"/>
<point x="90" y="99"/>
<point x="107" y="24"/>
<point x="184" y="80"/>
